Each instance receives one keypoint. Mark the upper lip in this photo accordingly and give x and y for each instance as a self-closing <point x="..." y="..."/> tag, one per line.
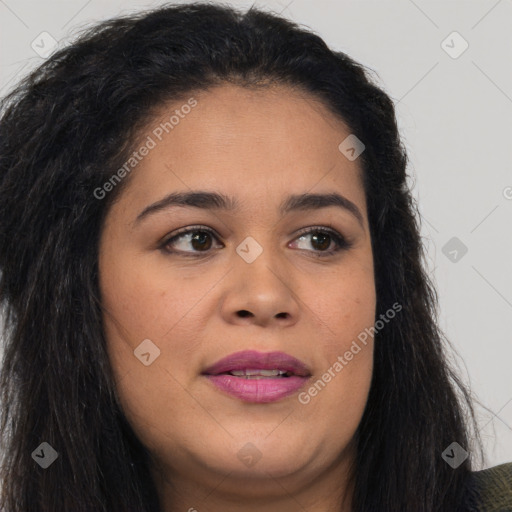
<point x="253" y="360"/>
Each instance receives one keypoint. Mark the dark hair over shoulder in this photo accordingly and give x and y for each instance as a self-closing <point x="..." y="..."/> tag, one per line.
<point x="63" y="132"/>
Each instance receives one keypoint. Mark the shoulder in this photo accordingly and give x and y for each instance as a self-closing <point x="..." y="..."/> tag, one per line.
<point x="490" y="490"/>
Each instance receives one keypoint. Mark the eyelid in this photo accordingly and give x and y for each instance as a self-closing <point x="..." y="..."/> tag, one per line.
<point x="342" y="242"/>
<point x="184" y="231"/>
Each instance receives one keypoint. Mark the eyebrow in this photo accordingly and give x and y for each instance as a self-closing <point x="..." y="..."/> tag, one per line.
<point x="217" y="201"/>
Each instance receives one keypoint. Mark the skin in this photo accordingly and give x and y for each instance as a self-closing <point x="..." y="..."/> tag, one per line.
<point x="258" y="146"/>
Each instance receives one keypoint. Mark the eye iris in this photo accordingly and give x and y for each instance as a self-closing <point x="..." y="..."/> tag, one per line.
<point x="322" y="237"/>
<point x="201" y="237"/>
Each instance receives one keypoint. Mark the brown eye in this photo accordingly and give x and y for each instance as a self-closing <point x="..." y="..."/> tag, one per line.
<point x="201" y="241"/>
<point x="322" y="239"/>
<point x="196" y="240"/>
<point x="190" y="241"/>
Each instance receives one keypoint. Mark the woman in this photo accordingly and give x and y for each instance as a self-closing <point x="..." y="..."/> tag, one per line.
<point x="211" y="272"/>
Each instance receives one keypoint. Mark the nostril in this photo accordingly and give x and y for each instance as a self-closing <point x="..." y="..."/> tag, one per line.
<point x="244" y="313"/>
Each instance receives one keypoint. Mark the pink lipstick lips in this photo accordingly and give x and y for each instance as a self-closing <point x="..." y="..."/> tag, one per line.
<point x="258" y="377"/>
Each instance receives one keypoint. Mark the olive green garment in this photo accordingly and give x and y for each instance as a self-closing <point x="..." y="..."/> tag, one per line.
<point x="491" y="489"/>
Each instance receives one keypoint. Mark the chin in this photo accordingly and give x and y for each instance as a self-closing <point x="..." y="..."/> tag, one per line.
<point x="261" y="455"/>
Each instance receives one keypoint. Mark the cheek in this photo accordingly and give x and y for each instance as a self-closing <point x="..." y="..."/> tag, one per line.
<point x="142" y="305"/>
<point x="148" y="301"/>
<point x="345" y="313"/>
<point x="344" y="304"/>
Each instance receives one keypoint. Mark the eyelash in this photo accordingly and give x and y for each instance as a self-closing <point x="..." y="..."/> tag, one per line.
<point x="340" y="241"/>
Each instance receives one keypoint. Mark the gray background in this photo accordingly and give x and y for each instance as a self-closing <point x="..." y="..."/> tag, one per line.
<point x="455" y="115"/>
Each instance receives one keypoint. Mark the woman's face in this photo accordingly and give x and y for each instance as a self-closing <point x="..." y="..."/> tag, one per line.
<point x="245" y="278"/>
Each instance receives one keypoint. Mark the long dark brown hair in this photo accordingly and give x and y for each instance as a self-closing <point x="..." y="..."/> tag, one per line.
<point x="63" y="132"/>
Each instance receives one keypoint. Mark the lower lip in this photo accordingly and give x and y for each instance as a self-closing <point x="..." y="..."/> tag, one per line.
<point x="258" y="390"/>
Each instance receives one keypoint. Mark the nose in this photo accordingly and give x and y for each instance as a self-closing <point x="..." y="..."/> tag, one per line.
<point x="260" y="293"/>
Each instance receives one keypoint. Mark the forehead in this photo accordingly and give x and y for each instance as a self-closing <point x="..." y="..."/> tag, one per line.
<point x="254" y="144"/>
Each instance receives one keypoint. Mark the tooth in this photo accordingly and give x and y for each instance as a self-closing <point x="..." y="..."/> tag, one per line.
<point x="263" y="373"/>
<point x="257" y="373"/>
<point x="257" y="377"/>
